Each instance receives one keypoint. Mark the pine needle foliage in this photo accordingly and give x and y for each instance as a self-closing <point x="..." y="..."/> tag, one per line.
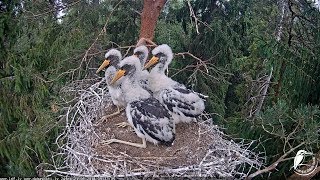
<point x="236" y="41"/>
<point x="240" y="37"/>
<point x="40" y="53"/>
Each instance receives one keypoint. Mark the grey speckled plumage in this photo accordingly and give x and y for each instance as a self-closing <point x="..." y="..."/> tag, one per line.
<point x="146" y="115"/>
<point x="142" y="53"/>
<point x="183" y="104"/>
<point x="115" y="91"/>
<point x="152" y="121"/>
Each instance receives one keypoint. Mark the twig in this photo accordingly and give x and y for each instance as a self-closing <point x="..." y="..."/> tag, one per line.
<point x="264" y="93"/>
<point x="146" y="41"/>
<point x="104" y="30"/>
<point x="257" y="94"/>
<point x="192" y="14"/>
<point x="195" y="57"/>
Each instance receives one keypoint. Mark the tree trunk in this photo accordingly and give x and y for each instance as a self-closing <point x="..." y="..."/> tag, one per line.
<point x="149" y="16"/>
<point x="284" y="64"/>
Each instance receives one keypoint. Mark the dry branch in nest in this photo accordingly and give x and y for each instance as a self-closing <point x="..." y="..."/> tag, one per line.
<point x="200" y="149"/>
<point x="257" y="95"/>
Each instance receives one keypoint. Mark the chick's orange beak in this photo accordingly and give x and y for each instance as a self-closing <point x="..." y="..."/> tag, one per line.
<point x="151" y="62"/>
<point x="119" y="74"/>
<point x="103" y="65"/>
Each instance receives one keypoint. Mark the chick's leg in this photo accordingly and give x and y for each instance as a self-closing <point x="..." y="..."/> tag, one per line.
<point x="143" y="145"/>
<point x="114" y="114"/>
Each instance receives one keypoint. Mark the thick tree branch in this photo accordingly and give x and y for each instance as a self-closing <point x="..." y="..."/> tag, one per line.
<point x="264" y="93"/>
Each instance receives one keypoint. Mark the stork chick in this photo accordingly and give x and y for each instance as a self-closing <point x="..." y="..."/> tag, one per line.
<point x="111" y="63"/>
<point x="149" y="118"/>
<point x="183" y="104"/>
<point x="142" y="53"/>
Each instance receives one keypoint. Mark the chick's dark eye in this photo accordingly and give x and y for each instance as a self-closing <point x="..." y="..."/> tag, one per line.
<point x="125" y="71"/>
<point x="125" y="67"/>
<point x="159" y="55"/>
<point x="138" y="53"/>
<point x="111" y="57"/>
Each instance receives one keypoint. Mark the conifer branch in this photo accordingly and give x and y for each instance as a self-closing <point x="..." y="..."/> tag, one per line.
<point x="47" y="11"/>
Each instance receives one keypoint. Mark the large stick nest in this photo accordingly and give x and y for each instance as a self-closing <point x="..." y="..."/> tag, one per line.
<point x="200" y="149"/>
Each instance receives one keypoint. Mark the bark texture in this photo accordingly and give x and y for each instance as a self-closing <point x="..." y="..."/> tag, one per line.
<point x="149" y="16"/>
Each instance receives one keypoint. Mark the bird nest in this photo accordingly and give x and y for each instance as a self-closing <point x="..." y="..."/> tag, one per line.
<point x="200" y="148"/>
